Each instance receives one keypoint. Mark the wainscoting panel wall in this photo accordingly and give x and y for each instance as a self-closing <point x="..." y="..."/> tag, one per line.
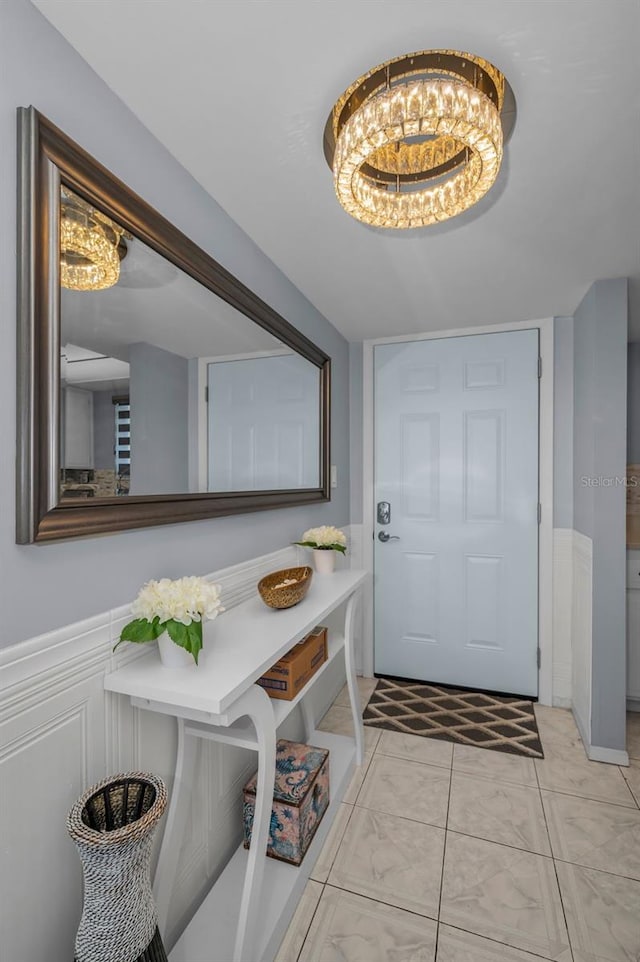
<point x="355" y="556"/>
<point x="60" y="732"/>
<point x="562" y="605"/>
<point x="633" y="630"/>
<point x="581" y="634"/>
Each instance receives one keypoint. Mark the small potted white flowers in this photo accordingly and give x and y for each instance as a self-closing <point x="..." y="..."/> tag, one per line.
<point x="324" y="541"/>
<point x="172" y="612"/>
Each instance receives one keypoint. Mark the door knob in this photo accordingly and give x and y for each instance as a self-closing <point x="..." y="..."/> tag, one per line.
<point x="384" y="537"/>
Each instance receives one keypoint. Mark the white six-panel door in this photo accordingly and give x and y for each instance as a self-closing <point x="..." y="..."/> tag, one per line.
<point x="456" y="459"/>
<point x="263" y="424"/>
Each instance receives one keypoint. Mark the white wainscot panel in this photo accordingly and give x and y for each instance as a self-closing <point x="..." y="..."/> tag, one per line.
<point x="53" y="746"/>
<point x="562" y="605"/>
<point x="420" y="576"/>
<point x="419" y="466"/>
<point x="484" y="601"/>
<point x="355" y="559"/>
<point x="484" y="452"/>
<point x="581" y="633"/>
<point x="60" y="732"/>
<point x="633" y="648"/>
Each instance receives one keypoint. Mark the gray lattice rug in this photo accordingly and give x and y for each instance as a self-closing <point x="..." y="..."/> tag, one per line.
<point x="498" y="722"/>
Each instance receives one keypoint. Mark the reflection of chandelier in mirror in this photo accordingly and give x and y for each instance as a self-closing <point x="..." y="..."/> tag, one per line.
<point x="419" y="139"/>
<point x="91" y="247"/>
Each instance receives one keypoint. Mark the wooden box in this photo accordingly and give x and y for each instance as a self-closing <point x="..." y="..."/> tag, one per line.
<point x="289" y="675"/>
<point x="300" y="799"/>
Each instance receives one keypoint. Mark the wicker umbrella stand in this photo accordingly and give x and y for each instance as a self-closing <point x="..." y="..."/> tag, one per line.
<point x="113" y="825"/>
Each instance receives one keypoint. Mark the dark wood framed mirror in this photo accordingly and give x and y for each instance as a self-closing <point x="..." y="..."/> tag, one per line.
<point x="153" y="386"/>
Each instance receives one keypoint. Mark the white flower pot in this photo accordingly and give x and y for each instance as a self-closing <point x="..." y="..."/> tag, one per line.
<point x="172" y="655"/>
<point x="324" y="561"/>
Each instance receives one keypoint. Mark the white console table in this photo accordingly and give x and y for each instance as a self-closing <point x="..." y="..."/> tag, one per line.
<point x="245" y="914"/>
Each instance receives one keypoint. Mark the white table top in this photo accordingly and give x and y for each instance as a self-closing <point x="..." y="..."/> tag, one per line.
<point x="238" y="647"/>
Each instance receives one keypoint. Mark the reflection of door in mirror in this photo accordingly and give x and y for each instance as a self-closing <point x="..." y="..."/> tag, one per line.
<point x="144" y="339"/>
<point x="263" y="423"/>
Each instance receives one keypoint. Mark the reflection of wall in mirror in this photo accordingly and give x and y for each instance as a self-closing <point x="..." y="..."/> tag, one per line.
<point x="158" y="389"/>
<point x="78" y="428"/>
<point x="104" y="430"/>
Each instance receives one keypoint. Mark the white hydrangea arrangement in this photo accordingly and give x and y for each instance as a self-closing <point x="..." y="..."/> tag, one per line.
<point x="178" y="607"/>
<point x="324" y="538"/>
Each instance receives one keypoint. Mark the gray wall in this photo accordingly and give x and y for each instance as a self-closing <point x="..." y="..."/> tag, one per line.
<point x="585" y="391"/>
<point x="599" y="452"/>
<point x="158" y="393"/>
<point x="355" y="429"/>
<point x="104" y="430"/>
<point x="633" y="403"/>
<point x="76" y="579"/>
<point x="563" y="422"/>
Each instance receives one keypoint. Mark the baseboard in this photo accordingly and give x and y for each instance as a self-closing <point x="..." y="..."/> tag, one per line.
<point x="613" y="756"/>
<point x="633" y="704"/>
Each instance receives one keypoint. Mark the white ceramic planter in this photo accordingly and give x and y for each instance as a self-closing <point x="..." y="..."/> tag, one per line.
<point x="172" y="655"/>
<point x="324" y="561"/>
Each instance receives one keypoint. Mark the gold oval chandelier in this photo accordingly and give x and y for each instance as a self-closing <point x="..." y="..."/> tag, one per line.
<point x="90" y="247"/>
<point x="419" y="139"/>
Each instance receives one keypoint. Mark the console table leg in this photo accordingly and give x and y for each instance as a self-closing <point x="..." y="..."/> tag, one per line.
<point x="256" y="704"/>
<point x="352" y="684"/>
<point x="166" y="869"/>
<point x="308" y="718"/>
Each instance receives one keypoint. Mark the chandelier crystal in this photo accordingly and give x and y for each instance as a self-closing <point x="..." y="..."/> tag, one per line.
<point x="418" y="139"/>
<point x="89" y="255"/>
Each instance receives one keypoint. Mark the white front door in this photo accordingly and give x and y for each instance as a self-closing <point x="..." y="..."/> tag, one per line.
<point x="456" y="527"/>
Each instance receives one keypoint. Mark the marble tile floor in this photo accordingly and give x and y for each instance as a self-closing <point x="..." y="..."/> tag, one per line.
<point x="443" y="853"/>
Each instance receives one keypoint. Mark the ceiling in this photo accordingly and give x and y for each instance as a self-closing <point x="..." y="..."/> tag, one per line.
<point x="239" y="92"/>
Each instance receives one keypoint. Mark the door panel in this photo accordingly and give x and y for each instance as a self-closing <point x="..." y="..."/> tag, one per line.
<point x="484" y="601"/>
<point x="421" y="619"/>
<point x="419" y="469"/>
<point x="456" y="456"/>
<point x="483" y="465"/>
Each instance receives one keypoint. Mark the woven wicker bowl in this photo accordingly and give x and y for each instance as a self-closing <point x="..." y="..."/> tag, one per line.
<point x="288" y="595"/>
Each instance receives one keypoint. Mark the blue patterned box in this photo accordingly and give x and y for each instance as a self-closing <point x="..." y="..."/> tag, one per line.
<point x="300" y="799"/>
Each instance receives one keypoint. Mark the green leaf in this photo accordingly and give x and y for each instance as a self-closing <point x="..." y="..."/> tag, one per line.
<point x="140" y="631"/>
<point x="322" y="547"/>
<point x="188" y="637"/>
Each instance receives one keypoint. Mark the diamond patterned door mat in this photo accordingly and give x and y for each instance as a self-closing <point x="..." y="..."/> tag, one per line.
<point x="499" y="722"/>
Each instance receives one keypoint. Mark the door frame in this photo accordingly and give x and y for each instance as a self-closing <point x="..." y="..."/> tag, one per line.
<point x="545" y="483"/>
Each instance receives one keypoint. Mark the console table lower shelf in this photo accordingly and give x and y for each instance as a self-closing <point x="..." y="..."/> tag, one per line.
<point x="211" y="934"/>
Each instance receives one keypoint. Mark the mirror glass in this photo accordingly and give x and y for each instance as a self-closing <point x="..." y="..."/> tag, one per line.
<point x="165" y="387"/>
